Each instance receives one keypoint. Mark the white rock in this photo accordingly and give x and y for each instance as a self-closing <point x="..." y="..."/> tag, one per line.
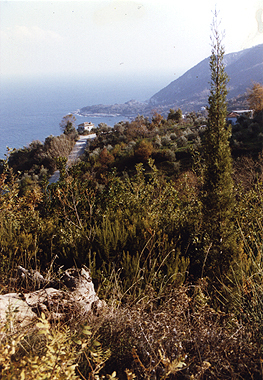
<point x="78" y="296"/>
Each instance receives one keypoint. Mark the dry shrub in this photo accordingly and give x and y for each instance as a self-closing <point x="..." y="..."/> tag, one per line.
<point x="177" y="337"/>
<point x="143" y="150"/>
<point x="174" y="336"/>
<point x="246" y="172"/>
<point x="105" y="158"/>
<point x="59" y="146"/>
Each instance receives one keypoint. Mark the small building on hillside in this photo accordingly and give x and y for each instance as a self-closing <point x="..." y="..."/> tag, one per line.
<point x="233" y="116"/>
<point x="85" y="127"/>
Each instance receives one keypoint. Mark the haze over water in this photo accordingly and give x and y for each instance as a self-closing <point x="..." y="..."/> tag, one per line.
<point x="111" y="44"/>
<point x="32" y="108"/>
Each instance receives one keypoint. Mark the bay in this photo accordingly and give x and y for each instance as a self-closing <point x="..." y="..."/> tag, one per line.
<point x="32" y="108"/>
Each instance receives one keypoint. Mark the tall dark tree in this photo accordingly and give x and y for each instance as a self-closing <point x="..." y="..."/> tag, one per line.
<point x="217" y="199"/>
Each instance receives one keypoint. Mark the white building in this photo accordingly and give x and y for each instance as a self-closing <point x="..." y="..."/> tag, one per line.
<point x="234" y="115"/>
<point x="85" y="127"/>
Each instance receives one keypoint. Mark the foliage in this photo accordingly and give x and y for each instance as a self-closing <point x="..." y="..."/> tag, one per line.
<point x="50" y="352"/>
<point x="38" y="160"/>
<point x="175" y="115"/>
<point x="177" y="336"/>
<point x="19" y="222"/>
<point x="143" y="151"/>
<point x="218" y="185"/>
<point x="157" y="222"/>
<point x="255" y="98"/>
<point x="67" y="124"/>
<point x="105" y="158"/>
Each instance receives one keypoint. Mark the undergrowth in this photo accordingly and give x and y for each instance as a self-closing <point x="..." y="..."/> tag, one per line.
<point x="170" y="333"/>
<point x="178" y="336"/>
<point x="50" y="352"/>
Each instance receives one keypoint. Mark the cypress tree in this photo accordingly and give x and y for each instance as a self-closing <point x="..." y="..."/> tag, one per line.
<point x="217" y="198"/>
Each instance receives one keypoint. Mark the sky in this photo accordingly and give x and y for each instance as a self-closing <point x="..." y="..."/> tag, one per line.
<point x="125" y="37"/>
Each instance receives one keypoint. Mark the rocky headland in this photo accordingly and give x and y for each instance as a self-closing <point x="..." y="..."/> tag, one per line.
<point x="129" y="109"/>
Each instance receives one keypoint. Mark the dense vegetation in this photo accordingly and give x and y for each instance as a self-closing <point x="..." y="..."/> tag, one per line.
<point x="170" y="226"/>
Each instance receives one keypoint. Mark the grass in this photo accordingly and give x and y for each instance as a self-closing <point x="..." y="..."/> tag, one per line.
<point x="173" y="334"/>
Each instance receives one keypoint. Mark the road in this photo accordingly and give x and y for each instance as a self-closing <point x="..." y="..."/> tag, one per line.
<point x="76" y="152"/>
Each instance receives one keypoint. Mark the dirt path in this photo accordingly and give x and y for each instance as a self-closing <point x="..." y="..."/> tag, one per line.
<point x="76" y="152"/>
<point x="79" y="148"/>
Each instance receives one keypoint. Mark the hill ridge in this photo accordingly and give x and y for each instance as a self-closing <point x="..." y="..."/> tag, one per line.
<point x="192" y="87"/>
<point x="191" y="90"/>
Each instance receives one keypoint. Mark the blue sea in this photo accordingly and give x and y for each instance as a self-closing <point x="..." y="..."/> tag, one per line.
<point x="31" y="108"/>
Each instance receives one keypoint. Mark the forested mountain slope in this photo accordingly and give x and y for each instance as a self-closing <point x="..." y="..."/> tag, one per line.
<point x="190" y="91"/>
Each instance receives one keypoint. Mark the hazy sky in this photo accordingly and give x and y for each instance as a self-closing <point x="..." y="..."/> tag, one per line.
<point x="119" y="37"/>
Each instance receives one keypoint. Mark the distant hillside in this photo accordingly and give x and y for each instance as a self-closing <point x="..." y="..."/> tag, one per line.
<point x="129" y="109"/>
<point x="190" y="91"/>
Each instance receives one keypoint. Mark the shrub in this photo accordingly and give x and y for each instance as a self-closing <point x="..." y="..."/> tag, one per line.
<point x="169" y="155"/>
<point x="166" y="140"/>
<point x="182" y="141"/>
<point x="143" y="150"/>
<point x="50" y="352"/>
<point x="105" y="158"/>
<point x="177" y="336"/>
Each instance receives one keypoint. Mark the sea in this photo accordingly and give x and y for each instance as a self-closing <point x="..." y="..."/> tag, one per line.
<point x="31" y="108"/>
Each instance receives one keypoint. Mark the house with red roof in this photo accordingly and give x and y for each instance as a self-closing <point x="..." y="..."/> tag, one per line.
<point x="233" y="116"/>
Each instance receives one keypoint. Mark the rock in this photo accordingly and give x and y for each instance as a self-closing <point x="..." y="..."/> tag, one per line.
<point x="32" y="277"/>
<point x="14" y="310"/>
<point x="77" y="298"/>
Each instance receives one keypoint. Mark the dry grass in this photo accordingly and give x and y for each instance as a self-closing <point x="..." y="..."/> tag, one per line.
<point x="173" y="336"/>
<point x="178" y="337"/>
